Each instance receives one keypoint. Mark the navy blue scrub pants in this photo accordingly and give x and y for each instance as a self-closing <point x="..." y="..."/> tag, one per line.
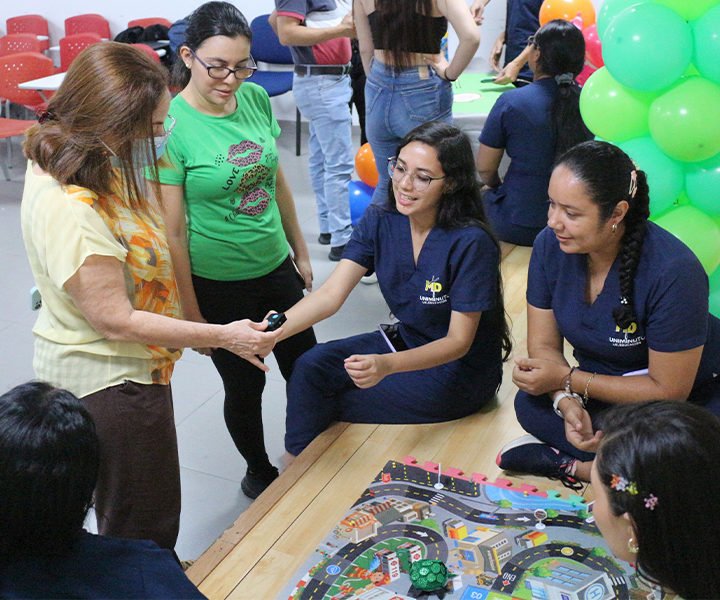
<point x="320" y="391"/>
<point x="536" y="416"/>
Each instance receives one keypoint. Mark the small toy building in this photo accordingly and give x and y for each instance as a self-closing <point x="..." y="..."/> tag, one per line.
<point x="570" y="582"/>
<point x="454" y="529"/>
<point x="485" y="549"/>
<point x="390" y="563"/>
<point x="358" y="526"/>
<point x="421" y="509"/>
<point x="531" y="539"/>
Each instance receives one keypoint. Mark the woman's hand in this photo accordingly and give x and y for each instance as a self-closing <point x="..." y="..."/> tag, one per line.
<point x="305" y="269"/>
<point x="367" y="370"/>
<point x="507" y="74"/>
<point x="539" y="376"/>
<point x="496" y="52"/>
<point x="578" y="426"/>
<point x="249" y="340"/>
<point x="440" y="65"/>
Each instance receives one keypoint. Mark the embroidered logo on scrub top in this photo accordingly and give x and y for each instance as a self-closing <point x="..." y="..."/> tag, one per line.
<point x="434" y="287"/>
<point x="626" y="341"/>
<point x="254" y="200"/>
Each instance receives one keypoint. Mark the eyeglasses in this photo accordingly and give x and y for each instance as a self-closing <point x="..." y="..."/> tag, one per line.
<point x="161" y="140"/>
<point x="420" y="182"/>
<point x="241" y="73"/>
<point x="531" y="42"/>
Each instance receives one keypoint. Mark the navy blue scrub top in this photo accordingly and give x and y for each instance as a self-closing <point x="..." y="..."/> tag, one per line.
<point x="671" y="304"/>
<point x="521" y="22"/>
<point x="521" y="123"/>
<point x="456" y="271"/>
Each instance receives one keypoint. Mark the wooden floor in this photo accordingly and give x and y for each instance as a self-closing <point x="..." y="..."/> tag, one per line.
<point x="256" y="557"/>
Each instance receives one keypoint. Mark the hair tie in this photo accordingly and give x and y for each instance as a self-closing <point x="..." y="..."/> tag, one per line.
<point x="46" y="115"/>
<point x="633" y="183"/>
<point x="564" y="78"/>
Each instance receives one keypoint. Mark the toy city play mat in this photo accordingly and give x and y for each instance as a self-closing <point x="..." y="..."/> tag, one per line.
<point x="417" y="531"/>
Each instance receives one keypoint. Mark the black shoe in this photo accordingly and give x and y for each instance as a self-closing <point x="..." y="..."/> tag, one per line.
<point x="253" y="485"/>
<point x="528" y="454"/>
<point x="324" y="239"/>
<point x="336" y="253"/>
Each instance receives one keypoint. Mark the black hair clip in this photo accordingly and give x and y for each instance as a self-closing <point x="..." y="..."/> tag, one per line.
<point x="46" y="116"/>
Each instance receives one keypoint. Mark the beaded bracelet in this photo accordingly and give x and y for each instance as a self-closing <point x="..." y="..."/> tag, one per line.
<point x="587" y="385"/>
<point x="567" y="380"/>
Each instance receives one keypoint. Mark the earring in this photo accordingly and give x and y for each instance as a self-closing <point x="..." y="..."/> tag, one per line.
<point x="632" y="546"/>
<point x="187" y="66"/>
<point x="614" y="228"/>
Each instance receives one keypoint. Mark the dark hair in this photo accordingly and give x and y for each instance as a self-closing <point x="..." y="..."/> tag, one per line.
<point x="607" y="173"/>
<point x="209" y="20"/>
<point x="460" y="204"/>
<point x="402" y="27"/>
<point x="562" y="51"/>
<point x="670" y="450"/>
<point x="49" y="465"/>
<point x="109" y="95"/>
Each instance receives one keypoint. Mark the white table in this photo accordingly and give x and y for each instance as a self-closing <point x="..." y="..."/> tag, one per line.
<point x="51" y="82"/>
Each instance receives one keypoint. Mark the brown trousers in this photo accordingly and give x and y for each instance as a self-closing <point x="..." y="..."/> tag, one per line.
<point x="138" y="490"/>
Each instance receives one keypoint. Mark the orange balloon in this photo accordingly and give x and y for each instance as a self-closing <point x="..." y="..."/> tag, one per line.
<point x="365" y="165"/>
<point x="568" y="10"/>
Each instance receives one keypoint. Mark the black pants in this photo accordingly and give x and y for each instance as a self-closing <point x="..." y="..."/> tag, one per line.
<point x="226" y="301"/>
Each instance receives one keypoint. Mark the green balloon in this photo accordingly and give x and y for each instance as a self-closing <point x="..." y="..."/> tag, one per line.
<point x="666" y="177"/>
<point x="706" y="44"/>
<point x="611" y="110"/>
<point x="715" y="292"/>
<point x="702" y="183"/>
<point x="689" y="9"/>
<point x="697" y="231"/>
<point x="684" y="120"/>
<point x="647" y="47"/>
<point x="609" y="10"/>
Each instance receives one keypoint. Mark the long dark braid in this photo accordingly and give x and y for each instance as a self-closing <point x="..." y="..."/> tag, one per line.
<point x="610" y="176"/>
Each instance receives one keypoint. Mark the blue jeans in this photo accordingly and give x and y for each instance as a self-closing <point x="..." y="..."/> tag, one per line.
<point x="396" y="102"/>
<point x="323" y="100"/>
<point x="320" y="391"/>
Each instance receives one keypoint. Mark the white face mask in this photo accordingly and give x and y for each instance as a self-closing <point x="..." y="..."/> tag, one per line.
<point x="142" y="150"/>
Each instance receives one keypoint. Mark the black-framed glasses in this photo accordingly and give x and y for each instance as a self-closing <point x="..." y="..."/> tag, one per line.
<point x="420" y="181"/>
<point x="531" y="42"/>
<point x="241" y="73"/>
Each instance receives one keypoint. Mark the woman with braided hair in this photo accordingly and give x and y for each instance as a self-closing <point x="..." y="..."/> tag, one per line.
<point x="629" y="297"/>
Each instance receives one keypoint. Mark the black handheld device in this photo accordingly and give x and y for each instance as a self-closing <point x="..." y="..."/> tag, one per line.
<point x="275" y="321"/>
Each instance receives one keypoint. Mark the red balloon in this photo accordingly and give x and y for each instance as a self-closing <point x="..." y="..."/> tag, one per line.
<point x="365" y="165"/>
<point x="588" y="70"/>
<point x="593" y="46"/>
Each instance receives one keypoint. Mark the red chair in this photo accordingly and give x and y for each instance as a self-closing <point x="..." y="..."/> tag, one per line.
<point x="30" y="24"/>
<point x="88" y="23"/>
<point x="149" y="21"/>
<point x="148" y="50"/>
<point x="16" y="69"/>
<point x="14" y="43"/>
<point x="72" y="45"/>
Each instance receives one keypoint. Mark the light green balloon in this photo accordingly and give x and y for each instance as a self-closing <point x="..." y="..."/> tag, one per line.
<point x="611" y="9"/>
<point x="647" y="47"/>
<point x="715" y="292"/>
<point x="706" y="44"/>
<point x="611" y="110"/>
<point x="689" y="9"/>
<point x="666" y="177"/>
<point x="702" y="183"/>
<point x="697" y="231"/>
<point x="684" y="120"/>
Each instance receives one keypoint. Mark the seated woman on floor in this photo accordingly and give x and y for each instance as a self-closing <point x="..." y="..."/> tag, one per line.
<point x="438" y="266"/>
<point x="629" y="297"/>
<point x="50" y="459"/>
<point x="656" y="477"/>
<point x="534" y="125"/>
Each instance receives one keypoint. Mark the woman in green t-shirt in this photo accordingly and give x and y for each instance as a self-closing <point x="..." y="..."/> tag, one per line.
<point x="230" y="214"/>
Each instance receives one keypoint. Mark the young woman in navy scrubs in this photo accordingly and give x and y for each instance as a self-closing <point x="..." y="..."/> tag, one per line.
<point x="629" y="297"/>
<point x="534" y="125"/>
<point x="438" y="267"/>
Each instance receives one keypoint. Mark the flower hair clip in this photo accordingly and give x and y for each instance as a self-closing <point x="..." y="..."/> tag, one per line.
<point x="633" y="183"/>
<point x="621" y="484"/>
